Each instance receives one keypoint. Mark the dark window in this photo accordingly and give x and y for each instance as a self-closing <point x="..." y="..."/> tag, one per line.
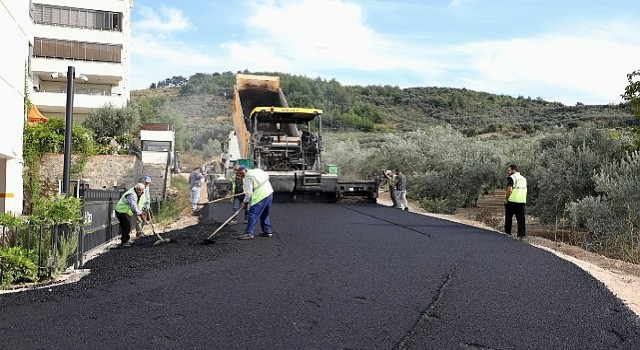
<point x="116" y="18"/>
<point x="100" y="20"/>
<point x="156" y="146"/>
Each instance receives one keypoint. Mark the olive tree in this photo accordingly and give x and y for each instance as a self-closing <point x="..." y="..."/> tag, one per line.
<point x="564" y="172"/>
<point x="610" y="219"/>
<point x="110" y="121"/>
<point x="632" y="95"/>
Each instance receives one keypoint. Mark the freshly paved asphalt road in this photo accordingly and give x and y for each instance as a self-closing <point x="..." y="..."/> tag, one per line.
<point x="336" y="276"/>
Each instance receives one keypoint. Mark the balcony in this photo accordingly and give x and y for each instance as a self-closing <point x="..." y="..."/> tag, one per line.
<point x="96" y="72"/>
<point x="56" y="102"/>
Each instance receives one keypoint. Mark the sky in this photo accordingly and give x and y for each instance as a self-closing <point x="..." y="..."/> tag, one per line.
<point x="568" y="51"/>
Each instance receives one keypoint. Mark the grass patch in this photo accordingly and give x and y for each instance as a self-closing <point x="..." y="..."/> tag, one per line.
<point x="177" y="203"/>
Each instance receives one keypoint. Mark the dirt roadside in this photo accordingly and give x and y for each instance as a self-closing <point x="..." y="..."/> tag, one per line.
<point x="621" y="278"/>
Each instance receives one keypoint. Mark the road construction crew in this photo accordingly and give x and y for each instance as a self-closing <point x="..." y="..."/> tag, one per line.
<point x="258" y="198"/>
<point x="514" y="200"/>
<point x="130" y="204"/>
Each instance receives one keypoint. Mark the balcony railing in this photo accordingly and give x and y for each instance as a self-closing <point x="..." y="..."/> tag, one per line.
<point x="56" y="101"/>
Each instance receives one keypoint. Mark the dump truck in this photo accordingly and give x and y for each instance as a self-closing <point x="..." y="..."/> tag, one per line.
<point x="284" y="141"/>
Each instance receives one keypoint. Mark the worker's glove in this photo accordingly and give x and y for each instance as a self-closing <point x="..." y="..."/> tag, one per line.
<point x="244" y="205"/>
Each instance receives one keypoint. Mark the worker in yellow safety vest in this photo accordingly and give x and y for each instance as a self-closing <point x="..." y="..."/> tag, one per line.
<point x="258" y="196"/>
<point x="515" y="200"/>
<point x="130" y="204"/>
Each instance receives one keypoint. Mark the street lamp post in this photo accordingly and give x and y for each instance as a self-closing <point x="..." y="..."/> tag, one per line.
<point x="66" y="170"/>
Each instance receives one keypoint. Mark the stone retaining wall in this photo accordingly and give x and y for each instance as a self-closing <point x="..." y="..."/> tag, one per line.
<point x="105" y="172"/>
<point x="101" y="172"/>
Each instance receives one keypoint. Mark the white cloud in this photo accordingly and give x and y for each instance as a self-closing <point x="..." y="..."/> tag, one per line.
<point x="458" y="3"/>
<point x="156" y="54"/>
<point x="564" y="66"/>
<point x="167" y="20"/>
<point x="156" y="60"/>
<point x="315" y="36"/>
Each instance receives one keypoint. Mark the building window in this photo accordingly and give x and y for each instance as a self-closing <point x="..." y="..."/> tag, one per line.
<point x="77" y="50"/>
<point x="156" y="146"/>
<point x="74" y="17"/>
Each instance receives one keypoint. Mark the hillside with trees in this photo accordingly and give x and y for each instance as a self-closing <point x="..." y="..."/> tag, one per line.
<point x="385" y="108"/>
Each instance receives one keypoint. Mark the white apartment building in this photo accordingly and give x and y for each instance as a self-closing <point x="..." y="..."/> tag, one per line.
<point x="91" y="35"/>
<point x="41" y="38"/>
<point x="17" y="35"/>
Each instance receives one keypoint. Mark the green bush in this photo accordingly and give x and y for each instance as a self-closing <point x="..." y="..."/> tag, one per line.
<point x="9" y="220"/>
<point x="59" y="209"/>
<point x="438" y="205"/>
<point x="565" y="168"/>
<point x="110" y="122"/>
<point x="609" y="222"/>
<point x="67" y="245"/>
<point x="16" y="266"/>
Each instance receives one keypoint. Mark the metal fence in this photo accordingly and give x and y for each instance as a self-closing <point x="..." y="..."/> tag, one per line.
<point x="42" y="242"/>
<point x="39" y="243"/>
<point x="101" y="224"/>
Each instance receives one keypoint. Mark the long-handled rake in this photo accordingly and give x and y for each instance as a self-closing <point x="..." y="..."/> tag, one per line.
<point x="160" y="239"/>
<point x="209" y="239"/>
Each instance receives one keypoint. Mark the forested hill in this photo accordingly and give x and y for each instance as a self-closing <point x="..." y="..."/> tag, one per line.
<point x="379" y="108"/>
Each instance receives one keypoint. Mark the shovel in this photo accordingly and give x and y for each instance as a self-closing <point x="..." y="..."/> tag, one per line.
<point x="160" y="239"/>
